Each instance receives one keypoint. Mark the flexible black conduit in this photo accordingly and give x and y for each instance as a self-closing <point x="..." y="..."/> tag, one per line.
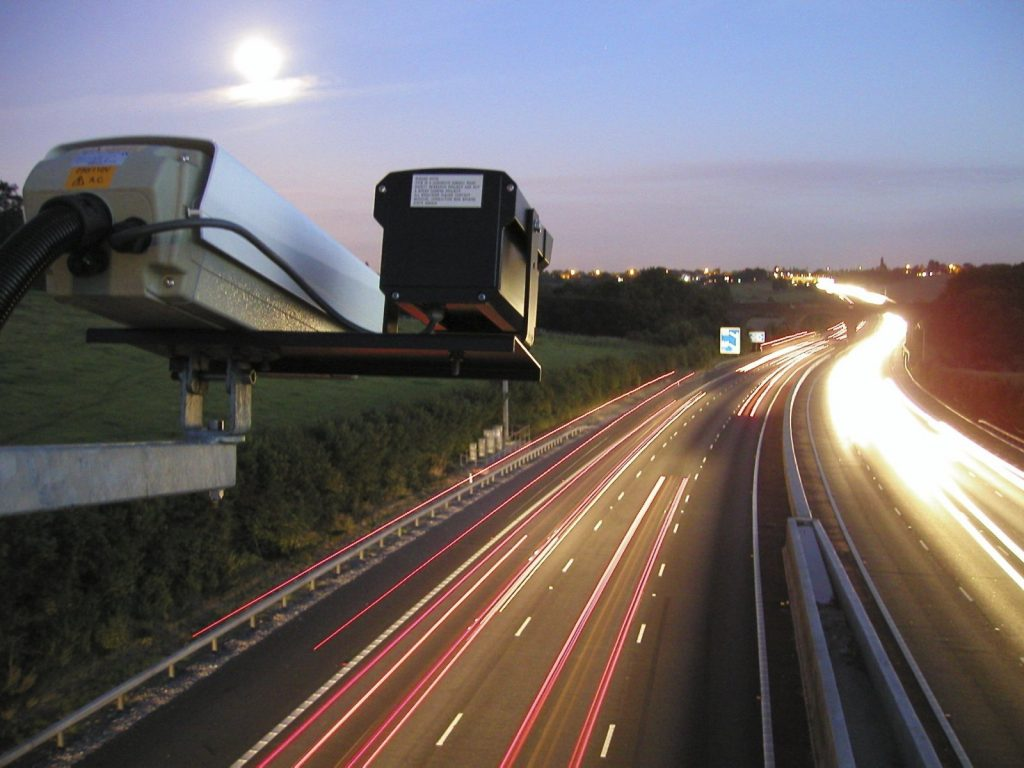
<point x="63" y="224"/>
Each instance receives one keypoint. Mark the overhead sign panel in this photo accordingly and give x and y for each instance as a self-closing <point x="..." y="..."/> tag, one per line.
<point x="729" y="341"/>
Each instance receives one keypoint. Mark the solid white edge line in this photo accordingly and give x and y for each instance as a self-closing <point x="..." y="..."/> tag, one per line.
<point x="767" y="742"/>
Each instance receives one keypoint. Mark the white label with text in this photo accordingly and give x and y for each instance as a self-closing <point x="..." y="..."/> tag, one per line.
<point x="447" y="190"/>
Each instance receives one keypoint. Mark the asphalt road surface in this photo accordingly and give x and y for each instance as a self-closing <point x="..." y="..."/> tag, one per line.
<point x="596" y="609"/>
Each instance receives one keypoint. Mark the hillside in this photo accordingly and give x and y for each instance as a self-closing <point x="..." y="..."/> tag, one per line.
<point x="55" y="388"/>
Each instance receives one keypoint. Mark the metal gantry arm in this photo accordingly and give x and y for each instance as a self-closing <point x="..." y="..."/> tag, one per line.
<point x="36" y="478"/>
<point x="46" y="477"/>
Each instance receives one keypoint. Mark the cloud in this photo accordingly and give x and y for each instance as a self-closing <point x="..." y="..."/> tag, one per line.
<point x="798" y="176"/>
<point x="263" y="93"/>
<point x="291" y="90"/>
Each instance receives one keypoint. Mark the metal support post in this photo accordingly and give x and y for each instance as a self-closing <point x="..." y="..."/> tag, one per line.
<point x="240" y="378"/>
<point x="506" y="433"/>
<point x="193" y="391"/>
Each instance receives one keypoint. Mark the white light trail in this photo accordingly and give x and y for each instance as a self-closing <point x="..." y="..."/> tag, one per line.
<point x="776" y="356"/>
<point x="930" y="458"/>
<point x="851" y="293"/>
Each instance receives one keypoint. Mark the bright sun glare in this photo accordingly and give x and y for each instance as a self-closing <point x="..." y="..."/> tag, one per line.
<point x="258" y="60"/>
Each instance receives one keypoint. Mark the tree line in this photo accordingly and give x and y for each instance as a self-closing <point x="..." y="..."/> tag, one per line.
<point x="652" y="306"/>
<point x="966" y="345"/>
<point x="12" y="214"/>
<point x="978" y="321"/>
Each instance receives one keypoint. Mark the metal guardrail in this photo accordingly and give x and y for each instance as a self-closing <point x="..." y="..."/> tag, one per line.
<point x="307" y="579"/>
<point x="1010" y="440"/>
<point x="816" y="580"/>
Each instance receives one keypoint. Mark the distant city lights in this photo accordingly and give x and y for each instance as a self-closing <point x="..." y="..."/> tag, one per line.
<point x="823" y="279"/>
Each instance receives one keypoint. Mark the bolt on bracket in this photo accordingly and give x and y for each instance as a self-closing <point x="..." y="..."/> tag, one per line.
<point x="194" y="376"/>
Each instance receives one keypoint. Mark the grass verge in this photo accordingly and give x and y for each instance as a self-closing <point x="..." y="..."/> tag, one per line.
<point x="55" y="388"/>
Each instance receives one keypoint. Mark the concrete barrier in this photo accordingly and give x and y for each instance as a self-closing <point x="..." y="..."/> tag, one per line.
<point x="808" y="586"/>
<point x="857" y="708"/>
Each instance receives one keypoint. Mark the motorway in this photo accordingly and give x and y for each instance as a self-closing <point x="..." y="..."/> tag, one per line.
<point x="623" y="601"/>
<point x="937" y="521"/>
<point x="599" y="608"/>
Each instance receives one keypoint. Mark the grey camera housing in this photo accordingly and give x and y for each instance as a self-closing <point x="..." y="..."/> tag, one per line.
<point x="209" y="278"/>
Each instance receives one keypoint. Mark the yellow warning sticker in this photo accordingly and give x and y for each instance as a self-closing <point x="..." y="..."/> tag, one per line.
<point x="90" y="177"/>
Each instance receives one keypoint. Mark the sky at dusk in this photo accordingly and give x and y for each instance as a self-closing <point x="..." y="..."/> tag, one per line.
<point x="680" y="134"/>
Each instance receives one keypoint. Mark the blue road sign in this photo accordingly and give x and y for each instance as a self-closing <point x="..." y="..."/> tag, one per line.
<point x="729" y="341"/>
